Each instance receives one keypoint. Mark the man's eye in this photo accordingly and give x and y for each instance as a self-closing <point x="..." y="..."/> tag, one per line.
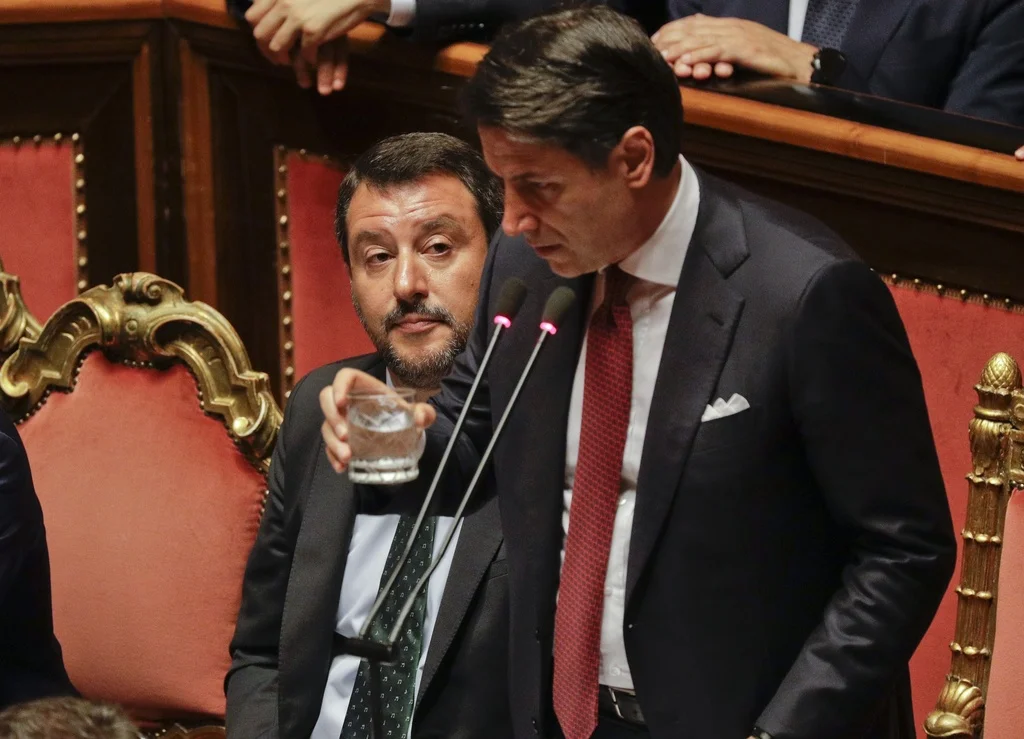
<point x="378" y="258"/>
<point x="439" y="247"/>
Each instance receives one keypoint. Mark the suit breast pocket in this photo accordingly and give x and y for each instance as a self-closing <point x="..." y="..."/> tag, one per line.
<point x="733" y="432"/>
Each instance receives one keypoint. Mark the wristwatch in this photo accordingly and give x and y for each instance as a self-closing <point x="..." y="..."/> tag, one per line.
<point x="761" y="734"/>
<point x="827" y="65"/>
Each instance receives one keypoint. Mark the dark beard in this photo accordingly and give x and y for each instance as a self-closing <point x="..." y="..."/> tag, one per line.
<point x="426" y="373"/>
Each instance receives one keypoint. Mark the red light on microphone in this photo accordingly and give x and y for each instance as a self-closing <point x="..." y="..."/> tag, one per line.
<point x="503" y="320"/>
<point x="549" y="327"/>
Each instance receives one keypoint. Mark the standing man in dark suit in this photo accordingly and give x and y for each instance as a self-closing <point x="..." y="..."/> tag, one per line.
<point x="719" y="490"/>
<point x="31" y="665"/>
<point x="964" y="56"/>
<point x="414" y="217"/>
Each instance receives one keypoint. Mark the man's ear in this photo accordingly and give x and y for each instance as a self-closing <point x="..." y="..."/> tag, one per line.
<point x="633" y="157"/>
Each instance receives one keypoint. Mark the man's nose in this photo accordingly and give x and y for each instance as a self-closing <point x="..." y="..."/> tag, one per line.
<point x="411" y="278"/>
<point x="517" y="218"/>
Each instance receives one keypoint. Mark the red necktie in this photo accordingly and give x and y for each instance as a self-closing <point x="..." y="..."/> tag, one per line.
<point x="607" y="396"/>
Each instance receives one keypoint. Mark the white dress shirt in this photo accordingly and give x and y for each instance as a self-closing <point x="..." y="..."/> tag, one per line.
<point x="797" y="14"/>
<point x="656" y="267"/>
<point x="364" y="568"/>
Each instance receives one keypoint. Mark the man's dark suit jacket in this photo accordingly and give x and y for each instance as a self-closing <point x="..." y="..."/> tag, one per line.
<point x="964" y="56"/>
<point x="785" y="561"/>
<point x="281" y="652"/>
<point x="30" y="658"/>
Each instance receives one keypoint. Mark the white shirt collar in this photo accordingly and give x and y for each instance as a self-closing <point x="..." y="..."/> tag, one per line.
<point x="660" y="259"/>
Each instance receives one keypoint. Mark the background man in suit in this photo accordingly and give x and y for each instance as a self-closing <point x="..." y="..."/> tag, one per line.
<point x="31" y="665"/>
<point x="719" y="490"/>
<point x="959" y="55"/>
<point x="414" y="216"/>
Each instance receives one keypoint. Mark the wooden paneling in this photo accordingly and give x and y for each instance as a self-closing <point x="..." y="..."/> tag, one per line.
<point x="87" y="78"/>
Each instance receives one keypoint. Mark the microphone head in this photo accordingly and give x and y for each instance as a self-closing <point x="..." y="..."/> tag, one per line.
<point x="513" y="293"/>
<point x="558" y="303"/>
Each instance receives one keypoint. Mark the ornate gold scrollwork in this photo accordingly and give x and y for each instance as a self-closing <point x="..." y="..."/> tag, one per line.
<point x="960" y="710"/>
<point x="144" y="320"/>
<point x="15" y="320"/>
<point x="966" y="709"/>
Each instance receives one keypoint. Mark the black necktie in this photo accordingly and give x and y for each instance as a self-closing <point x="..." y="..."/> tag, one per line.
<point x="398" y="680"/>
<point x="826" y="22"/>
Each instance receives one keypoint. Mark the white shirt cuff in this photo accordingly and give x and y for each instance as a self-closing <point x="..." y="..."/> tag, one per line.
<point x="403" y="13"/>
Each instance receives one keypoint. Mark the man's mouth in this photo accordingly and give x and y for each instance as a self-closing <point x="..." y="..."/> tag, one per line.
<point x="414" y="323"/>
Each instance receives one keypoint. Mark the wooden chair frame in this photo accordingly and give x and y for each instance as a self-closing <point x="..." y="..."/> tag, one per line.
<point x="997" y="453"/>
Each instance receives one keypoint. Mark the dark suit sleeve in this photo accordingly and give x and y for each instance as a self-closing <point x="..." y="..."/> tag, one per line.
<point x="858" y="401"/>
<point x="251" y="683"/>
<point x="990" y="83"/>
<point x="15" y="526"/>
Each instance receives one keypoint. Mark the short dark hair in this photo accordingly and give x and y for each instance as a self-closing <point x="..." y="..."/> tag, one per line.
<point x="410" y="157"/>
<point x="66" y="718"/>
<point x="579" y="79"/>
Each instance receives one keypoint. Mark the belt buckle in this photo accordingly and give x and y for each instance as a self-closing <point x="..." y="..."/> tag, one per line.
<point x="615" y="703"/>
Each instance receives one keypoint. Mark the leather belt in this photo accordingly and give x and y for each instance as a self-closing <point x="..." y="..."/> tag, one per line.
<point x="620" y="704"/>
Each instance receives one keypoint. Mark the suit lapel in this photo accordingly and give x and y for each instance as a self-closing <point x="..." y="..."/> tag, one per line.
<point x="314" y="588"/>
<point x="700" y="332"/>
<point x="477" y="544"/>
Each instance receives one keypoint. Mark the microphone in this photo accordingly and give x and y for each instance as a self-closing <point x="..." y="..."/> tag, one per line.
<point x="559" y="301"/>
<point x="510" y="300"/>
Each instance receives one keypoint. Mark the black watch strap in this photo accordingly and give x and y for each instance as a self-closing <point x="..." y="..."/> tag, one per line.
<point x="826" y="67"/>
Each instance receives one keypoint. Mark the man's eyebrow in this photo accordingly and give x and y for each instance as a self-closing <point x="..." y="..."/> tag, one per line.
<point x="365" y="237"/>
<point x="442" y="223"/>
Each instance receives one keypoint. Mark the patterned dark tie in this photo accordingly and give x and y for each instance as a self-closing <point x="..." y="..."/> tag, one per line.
<point x="398" y="680"/>
<point x="607" y="398"/>
<point x="826" y="22"/>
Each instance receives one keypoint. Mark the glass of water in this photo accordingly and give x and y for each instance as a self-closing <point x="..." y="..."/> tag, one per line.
<point x="383" y="438"/>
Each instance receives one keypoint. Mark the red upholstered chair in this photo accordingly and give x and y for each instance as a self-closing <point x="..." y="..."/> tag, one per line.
<point x="952" y="335"/>
<point x="43" y="211"/>
<point x="319" y="324"/>
<point x="15" y="320"/>
<point x="149" y="438"/>
<point x="984" y="691"/>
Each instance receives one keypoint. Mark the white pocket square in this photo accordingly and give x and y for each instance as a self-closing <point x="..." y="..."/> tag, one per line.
<point x="722" y="408"/>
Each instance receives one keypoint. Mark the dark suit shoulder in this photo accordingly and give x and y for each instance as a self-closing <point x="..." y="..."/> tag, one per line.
<point x="786" y="247"/>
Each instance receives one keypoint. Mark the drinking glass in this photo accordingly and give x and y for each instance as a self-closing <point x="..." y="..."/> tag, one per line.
<point x="383" y="438"/>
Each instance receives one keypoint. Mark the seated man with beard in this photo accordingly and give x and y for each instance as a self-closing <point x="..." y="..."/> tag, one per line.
<point x="414" y="217"/>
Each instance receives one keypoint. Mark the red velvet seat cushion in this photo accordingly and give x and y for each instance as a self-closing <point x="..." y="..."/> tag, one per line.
<point x="37" y="210"/>
<point x="150" y="513"/>
<point x="1004" y="710"/>
<point x="952" y="341"/>
<point x="325" y="326"/>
